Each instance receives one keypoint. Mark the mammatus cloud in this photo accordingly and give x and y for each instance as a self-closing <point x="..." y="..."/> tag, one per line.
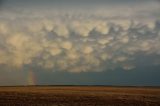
<point x="77" y="42"/>
<point x="92" y="49"/>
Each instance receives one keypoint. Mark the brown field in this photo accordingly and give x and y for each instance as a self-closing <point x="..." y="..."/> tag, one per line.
<point x="79" y="96"/>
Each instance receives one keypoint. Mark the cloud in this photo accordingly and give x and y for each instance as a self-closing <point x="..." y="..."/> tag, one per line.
<point x="120" y="59"/>
<point x="87" y="50"/>
<point x="55" y="51"/>
<point x="3" y="28"/>
<point x="104" y="41"/>
<point x="61" y="30"/>
<point x="78" y="42"/>
<point x="66" y="45"/>
<point x="104" y="56"/>
<point x="82" y="28"/>
<point x="72" y="55"/>
<point x="124" y="39"/>
<point x="128" y="67"/>
<point x="102" y="27"/>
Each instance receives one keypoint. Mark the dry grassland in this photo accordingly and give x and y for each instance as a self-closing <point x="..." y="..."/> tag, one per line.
<point x="79" y="96"/>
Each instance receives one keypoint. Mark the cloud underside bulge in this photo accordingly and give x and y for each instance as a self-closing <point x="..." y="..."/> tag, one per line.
<point x="77" y="43"/>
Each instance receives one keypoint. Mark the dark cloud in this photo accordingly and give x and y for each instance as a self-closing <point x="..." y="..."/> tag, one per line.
<point x="141" y="76"/>
<point x="101" y="44"/>
<point x="70" y="2"/>
<point x="69" y="43"/>
<point x="1" y="3"/>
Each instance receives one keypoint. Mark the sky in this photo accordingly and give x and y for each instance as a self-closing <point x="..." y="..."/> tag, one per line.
<point x="80" y="42"/>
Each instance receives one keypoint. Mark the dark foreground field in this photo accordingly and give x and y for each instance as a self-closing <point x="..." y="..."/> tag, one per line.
<point x="79" y="96"/>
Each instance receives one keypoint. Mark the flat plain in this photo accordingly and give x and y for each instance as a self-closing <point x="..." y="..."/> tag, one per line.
<point x="79" y="96"/>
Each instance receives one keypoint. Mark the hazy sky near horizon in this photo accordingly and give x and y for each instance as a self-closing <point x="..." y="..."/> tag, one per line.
<point x="95" y="42"/>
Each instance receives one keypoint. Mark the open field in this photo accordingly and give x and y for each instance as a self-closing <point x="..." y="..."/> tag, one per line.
<point x="79" y="96"/>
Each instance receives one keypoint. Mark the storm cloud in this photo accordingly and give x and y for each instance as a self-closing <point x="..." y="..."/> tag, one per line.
<point x="80" y="40"/>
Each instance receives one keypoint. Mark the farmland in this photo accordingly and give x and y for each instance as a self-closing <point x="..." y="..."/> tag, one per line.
<point x="79" y="96"/>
